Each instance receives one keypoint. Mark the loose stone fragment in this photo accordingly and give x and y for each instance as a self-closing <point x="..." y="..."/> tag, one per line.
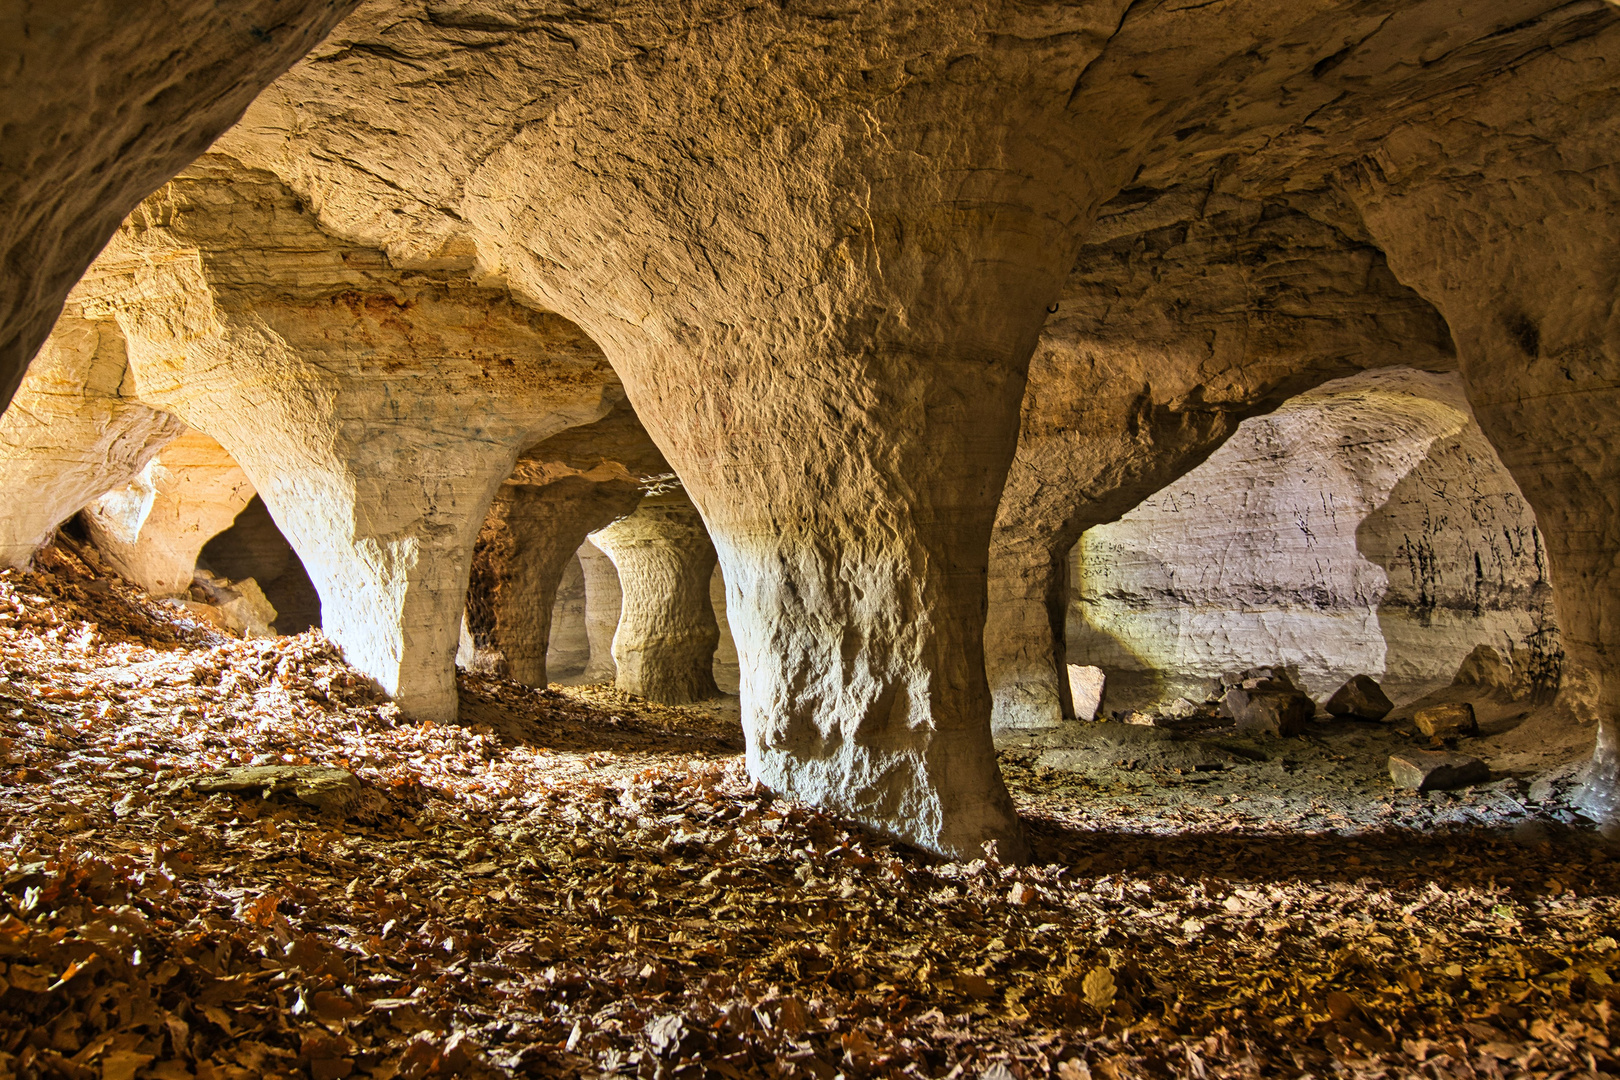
<point x="1361" y="698"/>
<point x="1086" y="684"/>
<point x="321" y="787"/>
<point x="1447" y="721"/>
<point x="1436" y="770"/>
<point x="1273" y="712"/>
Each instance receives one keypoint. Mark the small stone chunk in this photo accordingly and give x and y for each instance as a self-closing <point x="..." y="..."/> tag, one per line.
<point x="324" y="788"/>
<point x="1447" y="721"/>
<point x="1361" y="698"/>
<point x="1269" y="712"/>
<point x="1436" y="770"/>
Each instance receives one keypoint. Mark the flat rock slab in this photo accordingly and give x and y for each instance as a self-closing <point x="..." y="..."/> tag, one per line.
<point x="321" y="787"/>
<point x="1436" y="770"/>
<point x="1107" y="746"/>
<point x="1447" y="721"/>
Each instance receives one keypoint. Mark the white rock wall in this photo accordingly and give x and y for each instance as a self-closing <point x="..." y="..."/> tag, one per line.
<point x="1364" y="527"/>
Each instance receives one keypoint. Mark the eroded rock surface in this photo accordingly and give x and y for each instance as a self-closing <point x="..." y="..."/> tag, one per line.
<point x="1366" y="527"/>
<point x="664" y="646"/>
<point x="376" y="410"/>
<point x="73" y="432"/>
<point x="152" y="530"/>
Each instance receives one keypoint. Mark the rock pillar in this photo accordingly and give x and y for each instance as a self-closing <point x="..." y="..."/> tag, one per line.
<point x="72" y="434"/>
<point x="152" y="530"/>
<point x="667" y="635"/>
<point x="545" y="525"/>
<point x="603" y="601"/>
<point x="376" y="412"/>
<point x="1506" y="217"/>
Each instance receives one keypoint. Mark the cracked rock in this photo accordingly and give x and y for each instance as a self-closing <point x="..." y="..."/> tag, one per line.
<point x="1436" y="770"/>
<point x="320" y="787"/>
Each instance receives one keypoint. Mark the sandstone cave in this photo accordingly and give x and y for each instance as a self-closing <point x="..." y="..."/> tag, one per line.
<point x="802" y="540"/>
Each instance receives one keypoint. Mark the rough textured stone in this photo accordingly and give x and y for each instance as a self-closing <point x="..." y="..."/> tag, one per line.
<point x="152" y="530"/>
<point x="1360" y="698"/>
<point x="295" y="354"/>
<point x="664" y="646"/>
<point x="1086" y="688"/>
<point x="604" y="599"/>
<point x="72" y="433"/>
<point x="544" y="524"/>
<point x="1446" y="720"/>
<point x="819" y="252"/>
<point x="104" y="101"/>
<point x="1436" y="770"/>
<point x="1269" y="712"/>
<point x="569" y="651"/>
<point x="1365" y="527"/>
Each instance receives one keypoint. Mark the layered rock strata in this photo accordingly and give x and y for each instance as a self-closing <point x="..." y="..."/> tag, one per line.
<point x="603" y="601"/>
<point x="73" y="432"/>
<point x="663" y="649"/>
<point x="1364" y="528"/>
<point x="152" y="530"/>
<point x="1186" y="313"/>
<point x="376" y="410"/>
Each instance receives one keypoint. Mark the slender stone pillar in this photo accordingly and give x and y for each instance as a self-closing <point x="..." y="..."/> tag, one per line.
<point x="570" y="648"/>
<point x="664" y="647"/>
<point x="603" y="601"/>
<point x="152" y="530"/>
<point x="1506" y="217"/>
<point x="546" y="525"/>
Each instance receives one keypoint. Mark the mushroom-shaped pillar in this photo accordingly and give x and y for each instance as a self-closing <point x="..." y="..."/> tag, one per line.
<point x="664" y="646"/>
<point x="376" y="411"/>
<point x="1504" y="214"/>
<point x="72" y="433"/>
<point x="152" y="529"/>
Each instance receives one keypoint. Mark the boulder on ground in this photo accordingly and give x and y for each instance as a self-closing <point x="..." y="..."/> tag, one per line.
<point x="1269" y="712"/>
<point x="1447" y="721"/>
<point x="1484" y="667"/>
<point x="1436" y="770"/>
<point x="319" y="786"/>
<point x="1361" y="698"/>
<point x="1274" y="677"/>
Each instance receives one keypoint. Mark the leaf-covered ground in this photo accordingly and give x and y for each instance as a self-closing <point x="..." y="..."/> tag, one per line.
<point x="572" y="883"/>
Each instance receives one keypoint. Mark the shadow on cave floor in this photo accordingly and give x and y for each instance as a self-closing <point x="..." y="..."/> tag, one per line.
<point x="598" y="719"/>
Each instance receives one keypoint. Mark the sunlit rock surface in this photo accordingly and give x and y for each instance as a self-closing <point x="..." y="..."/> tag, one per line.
<point x="74" y="432"/>
<point x="152" y="530"/>
<point x="1365" y="527"/>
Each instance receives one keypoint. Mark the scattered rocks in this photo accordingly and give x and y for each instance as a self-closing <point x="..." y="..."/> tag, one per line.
<point x="1269" y="711"/>
<point x="1360" y="698"/>
<point x="1436" y="770"/>
<point x="1447" y="720"/>
<point x="320" y="787"/>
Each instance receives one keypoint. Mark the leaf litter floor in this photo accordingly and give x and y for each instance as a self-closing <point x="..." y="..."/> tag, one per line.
<point x="574" y="883"/>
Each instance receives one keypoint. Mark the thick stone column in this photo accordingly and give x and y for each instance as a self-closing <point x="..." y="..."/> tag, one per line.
<point x="376" y="412"/>
<point x="664" y="647"/>
<point x="604" y="600"/>
<point x="1506" y="215"/>
<point x="152" y="530"/>
<point x="103" y="101"/>
<point x="71" y="434"/>
<point x="545" y="525"/>
<point x="1185" y="314"/>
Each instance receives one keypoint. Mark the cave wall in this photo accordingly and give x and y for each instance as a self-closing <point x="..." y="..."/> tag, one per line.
<point x="1364" y="527"/>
